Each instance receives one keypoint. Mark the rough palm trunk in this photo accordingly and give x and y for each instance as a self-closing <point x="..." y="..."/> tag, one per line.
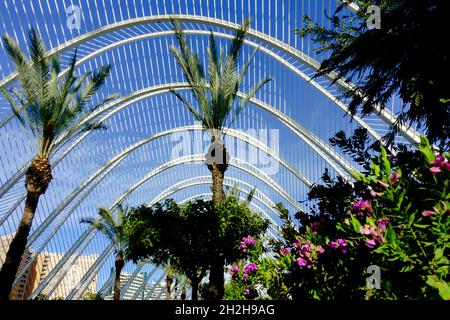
<point x="183" y="292"/>
<point x="119" y="263"/>
<point x="38" y="177"/>
<point x="195" y="283"/>
<point x="175" y="288"/>
<point x="169" y="280"/>
<point x="217" y="163"/>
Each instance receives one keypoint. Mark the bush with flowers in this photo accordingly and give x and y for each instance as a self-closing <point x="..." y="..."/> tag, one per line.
<point x="404" y="222"/>
<point x="394" y="216"/>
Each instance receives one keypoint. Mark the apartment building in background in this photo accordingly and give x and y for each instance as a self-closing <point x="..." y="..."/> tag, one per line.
<point x="42" y="266"/>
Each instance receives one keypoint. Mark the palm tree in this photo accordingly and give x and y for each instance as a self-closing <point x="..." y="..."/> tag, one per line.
<point x="170" y="273"/>
<point x="113" y="228"/>
<point x="217" y="110"/>
<point x="54" y="112"/>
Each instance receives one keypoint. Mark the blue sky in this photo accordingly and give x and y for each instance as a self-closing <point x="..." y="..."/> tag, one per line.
<point x="144" y="63"/>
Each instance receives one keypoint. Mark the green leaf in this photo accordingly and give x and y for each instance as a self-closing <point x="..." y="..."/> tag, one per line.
<point x="376" y="169"/>
<point x="426" y="150"/>
<point x="438" y="253"/>
<point x="411" y="218"/>
<point x="442" y="286"/>
<point x="355" y="223"/>
<point x="391" y="237"/>
<point x="385" y="164"/>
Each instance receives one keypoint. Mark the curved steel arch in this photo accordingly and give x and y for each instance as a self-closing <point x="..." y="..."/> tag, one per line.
<point x="84" y="282"/>
<point x="277" y="57"/>
<point x="121" y="198"/>
<point x="384" y="114"/>
<point x="107" y="167"/>
<point x="326" y="153"/>
<point x="207" y="180"/>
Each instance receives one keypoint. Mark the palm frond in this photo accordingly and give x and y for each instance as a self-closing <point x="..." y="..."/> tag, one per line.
<point x="224" y="79"/>
<point x="192" y="110"/>
<point x="52" y="109"/>
<point x="40" y="69"/>
<point x="249" y="96"/>
<point x="23" y="67"/>
<point x="15" y="108"/>
<point x="239" y="40"/>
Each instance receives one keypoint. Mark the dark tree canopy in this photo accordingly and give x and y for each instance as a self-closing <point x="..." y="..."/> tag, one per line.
<point x="189" y="235"/>
<point x="405" y="57"/>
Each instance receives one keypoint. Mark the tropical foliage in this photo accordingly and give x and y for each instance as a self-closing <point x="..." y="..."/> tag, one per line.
<point x="396" y="226"/>
<point x="166" y="233"/>
<point x="398" y="58"/>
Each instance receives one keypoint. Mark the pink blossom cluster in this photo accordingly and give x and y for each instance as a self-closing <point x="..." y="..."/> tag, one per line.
<point x="234" y="270"/>
<point x="439" y="164"/>
<point x="305" y="251"/>
<point x="339" y="244"/>
<point x="246" y="242"/>
<point x="249" y="268"/>
<point x="375" y="233"/>
<point x="361" y="207"/>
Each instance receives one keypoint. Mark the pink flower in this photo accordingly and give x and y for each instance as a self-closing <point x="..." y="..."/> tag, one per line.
<point x="301" y="262"/>
<point x="344" y="251"/>
<point x="285" y="251"/>
<point x="438" y="164"/>
<point x="371" y="243"/>
<point x="248" y="240"/>
<point x="365" y="230"/>
<point x="319" y="249"/>
<point x="250" y="292"/>
<point x="394" y="178"/>
<point x="435" y="170"/>
<point x="305" y="249"/>
<point x="250" y="268"/>
<point x="342" y="242"/>
<point x="334" y="244"/>
<point x="382" y="224"/>
<point x="428" y="213"/>
<point x="234" y="270"/>
<point x="374" y="194"/>
<point x="384" y="184"/>
<point x="297" y="243"/>
<point x="439" y="160"/>
<point x="361" y="205"/>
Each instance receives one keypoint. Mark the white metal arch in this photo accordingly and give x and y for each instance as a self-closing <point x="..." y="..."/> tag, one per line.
<point x="186" y="183"/>
<point x="230" y="182"/>
<point x="328" y="154"/>
<point x="112" y="163"/>
<point x="385" y="115"/>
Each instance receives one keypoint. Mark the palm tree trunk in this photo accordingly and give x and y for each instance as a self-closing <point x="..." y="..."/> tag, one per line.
<point x="119" y="263"/>
<point x="17" y="246"/>
<point x="169" y="280"/>
<point x="183" y="292"/>
<point x="217" y="183"/>
<point x="216" y="279"/>
<point x="38" y="177"/>
<point x="195" y="283"/>
<point x="216" y="275"/>
<point x="175" y="288"/>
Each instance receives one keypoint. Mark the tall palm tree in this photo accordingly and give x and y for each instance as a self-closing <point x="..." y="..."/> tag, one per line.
<point x="113" y="228"/>
<point x="54" y="111"/>
<point x="218" y="108"/>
